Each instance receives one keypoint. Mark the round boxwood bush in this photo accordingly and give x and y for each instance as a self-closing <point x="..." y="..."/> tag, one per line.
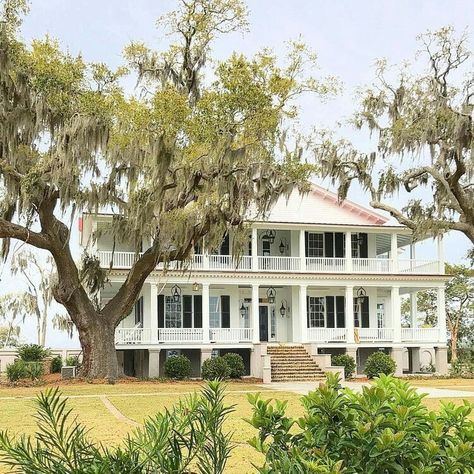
<point x="56" y="364"/>
<point x="236" y="365"/>
<point x="178" y="367"/>
<point x="379" y="363"/>
<point x="215" y="369"/>
<point x="346" y="361"/>
<point x="16" y="371"/>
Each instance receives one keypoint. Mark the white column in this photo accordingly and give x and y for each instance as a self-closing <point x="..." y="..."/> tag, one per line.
<point x="394" y="253"/>
<point x="302" y="250"/>
<point x="205" y="312"/>
<point x="396" y="314"/>
<point x="254" y="249"/>
<point x="303" y="314"/>
<point x="440" y="243"/>
<point x="349" y="310"/>
<point x="255" y="315"/>
<point x="441" y="313"/>
<point x="154" y="312"/>
<point x="348" y="254"/>
<point x="414" y="309"/>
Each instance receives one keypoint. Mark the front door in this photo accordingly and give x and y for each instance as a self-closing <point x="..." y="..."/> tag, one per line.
<point x="263" y="316"/>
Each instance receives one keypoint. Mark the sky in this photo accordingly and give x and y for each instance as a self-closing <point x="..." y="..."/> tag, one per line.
<point x="347" y="35"/>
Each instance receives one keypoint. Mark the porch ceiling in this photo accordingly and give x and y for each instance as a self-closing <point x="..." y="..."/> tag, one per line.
<point x="383" y="242"/>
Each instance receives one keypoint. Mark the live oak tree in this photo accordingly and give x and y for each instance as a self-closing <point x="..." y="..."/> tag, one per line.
<point x="423" y="120"/>
<point x="459" y="306"/>
<point x="184" y="157"/>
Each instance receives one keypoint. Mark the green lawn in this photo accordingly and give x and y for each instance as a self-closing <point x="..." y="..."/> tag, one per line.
<point x="136" y="401"/>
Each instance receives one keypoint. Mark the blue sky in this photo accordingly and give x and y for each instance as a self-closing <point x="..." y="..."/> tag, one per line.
<point x="347" y="35"/>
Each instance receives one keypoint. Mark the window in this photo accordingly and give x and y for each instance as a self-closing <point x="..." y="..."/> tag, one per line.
<point x="173" y="317"/>
<point x="214" y="312"/>
<point x="357" y="313"/>
<point x="380" y="315"/>
<point x="266" y="247"/>
<point x="139" y="312"/>
<point x="273" y="323"/>
<point x="315" y="245"/>
<point x="316" y="312"/>
<point x="355" y="245"/>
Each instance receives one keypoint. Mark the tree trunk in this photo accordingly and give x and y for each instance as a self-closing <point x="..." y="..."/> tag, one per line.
<point x="43" y="327"/>
<point x="99" y="357"/>
<point x="454" y="345"/>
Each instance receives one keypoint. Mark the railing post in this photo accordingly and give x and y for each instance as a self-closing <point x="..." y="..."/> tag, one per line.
<point x="349" y="310"/>
<point x="254" y="249"/>
<point x="348" y="252"/>
<point x="205" y="313"/>
<point x="205" y="260"/>
<point x="441" y="313"/>
<point x="302" y="250"/>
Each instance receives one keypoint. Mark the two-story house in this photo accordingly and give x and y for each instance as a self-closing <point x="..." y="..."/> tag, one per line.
<point x="317" y="275"/>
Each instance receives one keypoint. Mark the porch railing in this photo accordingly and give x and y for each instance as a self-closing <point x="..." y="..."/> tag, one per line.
<point x="420" y="334"/>
<point x="371" y="265"/>
<point x="132" y="335"/>
<point x="325" y="264"/>
<point x="180" y="335"/>
<point x="327" y="334"/>
<point x="375" y="334"/>
<point x="230" y="334"/>
<point x="279" y="264"/>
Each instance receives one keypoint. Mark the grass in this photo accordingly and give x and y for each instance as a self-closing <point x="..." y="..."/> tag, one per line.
<point x="137" y="401"/>
<point x="456" y="384"/>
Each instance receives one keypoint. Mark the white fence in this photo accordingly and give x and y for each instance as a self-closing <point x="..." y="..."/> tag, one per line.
<point x="230" y="334"/>
<point x="375" y="334"/>
<point x="420" y="334"/>
<point x="327" y="334"/>
<point x="279" y="264"/>
<point x="325" y="265"/>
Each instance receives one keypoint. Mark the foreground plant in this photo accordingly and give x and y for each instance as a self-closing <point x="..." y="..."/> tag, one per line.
<point x="187" y="438"/>
<point x="384" y="429"/>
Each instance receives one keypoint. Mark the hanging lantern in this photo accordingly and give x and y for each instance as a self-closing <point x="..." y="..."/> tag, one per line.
<point x="176" y="293"/>
<point x="284" y="309"/>
<point x="195" y="286"/>
<point x="271" y="294"/>
<point x="282" y="247"/>
<point x="271" y="235"/>
<point x="361" y="295"/>
<point x="243" y="310"/>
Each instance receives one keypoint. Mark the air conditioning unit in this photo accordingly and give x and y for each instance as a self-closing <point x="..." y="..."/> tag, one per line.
<point x="69" y="372"/>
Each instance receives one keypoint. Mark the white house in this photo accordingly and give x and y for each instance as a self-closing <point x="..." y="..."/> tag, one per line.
<point x="317" y="278"/>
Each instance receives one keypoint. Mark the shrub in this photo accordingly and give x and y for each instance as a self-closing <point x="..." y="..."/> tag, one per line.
<point x="32" y="352"/>
<point x="236" y="365"/>
<point x="379" y="363"/>
<point x="463" y="368"/>
<point x="344" y="431"/>
<point x="72" y="361"/>
<point x="56" y="364"/>
<point x="178" y="367"/>
<point x="34" y="370"/>
<point x="188" y="437"/>
<point x="215" y="369"/>
<point x="346" y="361"/>
<point x="16" y="371"/>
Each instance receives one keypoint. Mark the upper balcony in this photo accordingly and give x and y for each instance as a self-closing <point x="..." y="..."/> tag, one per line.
<point x="302" y="251"/>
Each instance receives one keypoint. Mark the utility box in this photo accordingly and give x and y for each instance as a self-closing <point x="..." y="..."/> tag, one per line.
<point x="69" y="372"/>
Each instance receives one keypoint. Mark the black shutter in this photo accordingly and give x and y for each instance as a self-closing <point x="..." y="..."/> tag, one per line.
<point x="307" y="311"/>
<point x="328" y="244"/>
<point x="330" y="311"/>
<point x="161" y="311"/>
<point x="187" y="311"/>
<point x="250" y="246"/>
<point x="365" y="323"/>
<point x="198" y="311"/>
<point x="225" y="245"/>
<point x="139" y="311"/>
<point x="363" y="249"/>
<point x="339" y="244"/>
<point x="306" y="244"/>
<point x="340" y="312"/>
<point x="225" y="311"/>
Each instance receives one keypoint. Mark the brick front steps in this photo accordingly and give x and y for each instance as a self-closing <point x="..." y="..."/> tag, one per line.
<point x="293" y="364"/>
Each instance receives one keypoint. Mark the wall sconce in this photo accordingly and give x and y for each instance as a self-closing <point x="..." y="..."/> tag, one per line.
<point x="284" y="309"/>
<point x="195" y="286"/>
<point x="283" y="246"/>
<point x="176" y="293"/>
<point x="269" y="235"/>
<point x="271" y="294"/>
<point x="243" y="310"/>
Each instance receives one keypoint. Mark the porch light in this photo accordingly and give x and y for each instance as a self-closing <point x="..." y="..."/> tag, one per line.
<point x="271" y="293"/>
<point x="195" y="286"/>
<point x="361" y="295"/>
<point x="283" y="246"/>
<point x="284" y="308"/>
<point x="243" y="310"/>
<point x="176" y="293"/>
<point x="270" y="235"/>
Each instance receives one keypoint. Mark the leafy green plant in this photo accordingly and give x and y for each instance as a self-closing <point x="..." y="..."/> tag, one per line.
<point x="178" y="367"/>
<point x="384" y="429"/>
<point x="188" y="436"/>
<point x="34" y="370"/>
<point x="236" y="365"/>
<point x="379" y="363"/>
<point x="56" y="364"/>
<point x="462" y="367"/>
<point x="16" y="371"/>
<point x="215" y="368"/>
<point x="72" y="361"/>
<point x="346" y="361"/>
<point x="32" y="352"/>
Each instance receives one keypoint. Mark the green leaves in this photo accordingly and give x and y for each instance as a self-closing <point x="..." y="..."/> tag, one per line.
<point x="383" y="429"/>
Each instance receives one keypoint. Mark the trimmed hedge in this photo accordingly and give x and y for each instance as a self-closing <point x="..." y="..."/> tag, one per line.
<point x="236" y="365"/>
<point x="215" y="369"/>
<point x="346" y="361"/>
<point x="178" y="367"/>
<point x="379" y="363"/>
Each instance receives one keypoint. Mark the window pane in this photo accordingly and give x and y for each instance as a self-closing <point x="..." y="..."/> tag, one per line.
<point x="316" y="312"/>
<point x="214" y="312"/>
<point x="315" y="245"/>
<point x="172" y="312"/>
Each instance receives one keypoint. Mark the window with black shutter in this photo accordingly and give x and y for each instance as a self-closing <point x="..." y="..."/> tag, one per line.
<point x="340" y="312"/>
<point x="225" y="311"/>
<point x="197" y="311"/>
<point x="330" y="314"/>
<point x="161" y="311"/>
<point x="139" y="312"/>
<point x="187" y="311"/>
